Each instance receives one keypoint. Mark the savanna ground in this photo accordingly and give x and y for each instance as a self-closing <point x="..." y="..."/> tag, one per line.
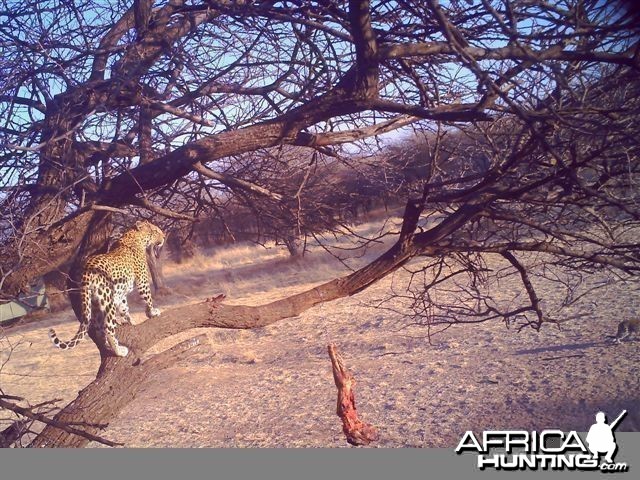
<point x="273" y="386"/>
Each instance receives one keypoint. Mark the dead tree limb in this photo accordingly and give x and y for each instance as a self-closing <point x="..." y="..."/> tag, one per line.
<point x="356" y="431"/>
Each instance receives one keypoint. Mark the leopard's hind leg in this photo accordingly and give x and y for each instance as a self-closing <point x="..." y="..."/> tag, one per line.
<point x="110" y="329"/>
<point x="122" y="308"/>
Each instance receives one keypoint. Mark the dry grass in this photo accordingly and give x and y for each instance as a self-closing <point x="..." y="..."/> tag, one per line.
<point x="273" y="387"/>
<point x="252" y="274"/>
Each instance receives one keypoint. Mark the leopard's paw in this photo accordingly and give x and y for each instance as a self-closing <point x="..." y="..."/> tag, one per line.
<point x="122" y="351"/>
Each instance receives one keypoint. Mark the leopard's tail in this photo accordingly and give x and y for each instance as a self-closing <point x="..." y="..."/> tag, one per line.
<point x="77" y="338"/>
<point x="85" y="298"/>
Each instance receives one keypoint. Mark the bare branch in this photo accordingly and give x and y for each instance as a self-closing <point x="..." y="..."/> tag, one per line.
<point x="236" y="182"/>
<point x="28" y="413"/>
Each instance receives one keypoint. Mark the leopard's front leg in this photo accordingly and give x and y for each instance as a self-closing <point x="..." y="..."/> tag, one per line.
<point x="145" y="292"/>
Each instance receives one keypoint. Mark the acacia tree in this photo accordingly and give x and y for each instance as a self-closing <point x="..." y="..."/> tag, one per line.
<point x="151" y="106"/>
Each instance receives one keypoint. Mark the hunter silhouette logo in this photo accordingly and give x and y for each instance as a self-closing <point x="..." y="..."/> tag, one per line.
<point x="548" y="449"/>
<point x="600" y="437"/>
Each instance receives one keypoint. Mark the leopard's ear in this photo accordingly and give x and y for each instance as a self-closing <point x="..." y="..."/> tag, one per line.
<point x="140" y="224"/>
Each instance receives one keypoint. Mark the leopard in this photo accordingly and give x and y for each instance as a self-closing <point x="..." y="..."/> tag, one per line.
<point x="106" y="281"/>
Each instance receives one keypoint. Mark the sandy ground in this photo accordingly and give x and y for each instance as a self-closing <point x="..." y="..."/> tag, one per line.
<point x="273" y="386"/>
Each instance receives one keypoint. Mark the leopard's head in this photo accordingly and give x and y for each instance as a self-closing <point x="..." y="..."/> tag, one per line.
<point x="151" y="236"/>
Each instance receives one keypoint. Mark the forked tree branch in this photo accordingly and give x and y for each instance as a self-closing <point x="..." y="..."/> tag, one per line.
<point x="526" y="281"/>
